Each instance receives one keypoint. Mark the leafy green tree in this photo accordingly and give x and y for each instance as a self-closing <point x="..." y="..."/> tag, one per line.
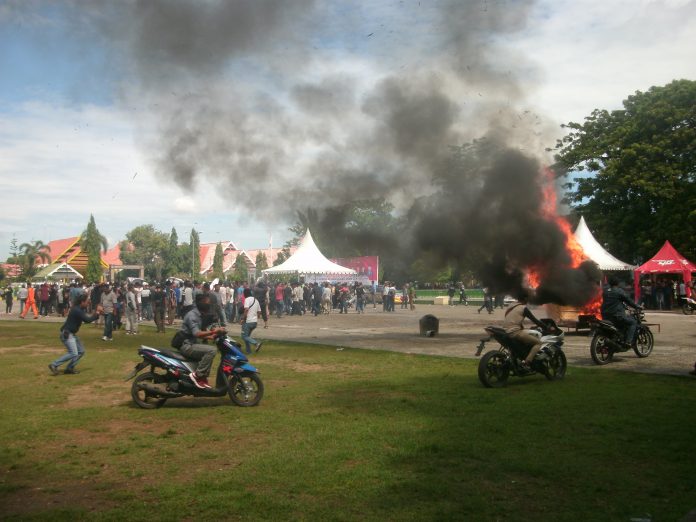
<point x="2" y="273"/>
<point x="282" y="256"/>
<point x="241" y="271"/>
<point x="14" y="251"/>
<point x="632" y="171"/>
<point x="217" y="262"/>
<point x="358" y="228"/>
<point x="92" y="242"/>
<point x="30" y="254"/>
<point x="195" y="250"/>
<point x="172" y="257"/>
<point x="261" y="262"/>
<point x="145" y="245"/>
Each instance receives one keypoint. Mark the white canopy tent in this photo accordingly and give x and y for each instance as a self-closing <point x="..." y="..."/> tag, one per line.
<point x="308" y="260"/>
<point x="595" y="251"/>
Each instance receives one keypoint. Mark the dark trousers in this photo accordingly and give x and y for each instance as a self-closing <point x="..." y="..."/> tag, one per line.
<point x="158" y="313"/>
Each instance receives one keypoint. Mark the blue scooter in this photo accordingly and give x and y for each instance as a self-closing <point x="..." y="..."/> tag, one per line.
<point x="170" y="371"/>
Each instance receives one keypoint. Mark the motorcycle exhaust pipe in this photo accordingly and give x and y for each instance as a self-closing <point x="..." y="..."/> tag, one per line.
<point x="155" y="390"/>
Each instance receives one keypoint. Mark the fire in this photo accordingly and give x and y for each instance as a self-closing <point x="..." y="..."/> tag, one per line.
<point x="549" y="210"/>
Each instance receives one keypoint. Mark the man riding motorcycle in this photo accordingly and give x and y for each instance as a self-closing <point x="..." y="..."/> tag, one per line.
<point x="514" y="317"/>
<point x="193" y="329"/>
<point x="613" y="309"/>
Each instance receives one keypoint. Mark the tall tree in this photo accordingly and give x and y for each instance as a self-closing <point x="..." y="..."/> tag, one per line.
<point x="282" y="256"/>
<point x="92" y="242"/>
<point x="30" y="254"/>
<point x="145" y="245"/>
<point x="633" y="171"/>
<point x="217" y="262"/>
<point x="261" y="262"/>
<point x="172" y="256"/>
<point x="14" y="251"/>
<point x="195" y="253"/>
<point x="241" y="271"/>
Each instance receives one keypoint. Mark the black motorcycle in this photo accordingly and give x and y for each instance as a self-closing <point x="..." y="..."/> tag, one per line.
<point x="170" y="372"/>
<point x="497" y="365"/>
<point x="608" y="339"/>
<point x="688" y="306"/>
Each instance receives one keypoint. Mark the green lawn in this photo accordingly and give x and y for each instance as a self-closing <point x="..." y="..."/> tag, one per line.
<point x="339" y="435"/>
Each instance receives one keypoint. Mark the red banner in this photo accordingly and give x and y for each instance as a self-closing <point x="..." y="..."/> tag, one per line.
<point x="367" y="267"/>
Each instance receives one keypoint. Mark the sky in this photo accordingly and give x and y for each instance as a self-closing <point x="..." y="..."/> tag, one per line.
<point x="228" y="117"/>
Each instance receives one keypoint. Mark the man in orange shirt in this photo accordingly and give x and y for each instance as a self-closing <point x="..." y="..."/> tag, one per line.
<point x="31" y="303"/>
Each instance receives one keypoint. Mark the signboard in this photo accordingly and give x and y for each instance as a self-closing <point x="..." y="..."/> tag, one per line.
<point x="367" y="267"/>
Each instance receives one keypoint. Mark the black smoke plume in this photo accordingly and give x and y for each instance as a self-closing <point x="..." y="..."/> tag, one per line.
<point x="283" y="106"/>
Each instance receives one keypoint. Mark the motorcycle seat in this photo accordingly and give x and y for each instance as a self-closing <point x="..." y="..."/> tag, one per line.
<point x="173" y="354"/>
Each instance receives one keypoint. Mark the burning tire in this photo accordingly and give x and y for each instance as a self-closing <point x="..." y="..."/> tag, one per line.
<point x="493" y="370"/>
<point x="600" y="351"/>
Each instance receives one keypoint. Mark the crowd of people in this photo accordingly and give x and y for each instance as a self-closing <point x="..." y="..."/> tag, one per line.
<point x="663" y="294"/>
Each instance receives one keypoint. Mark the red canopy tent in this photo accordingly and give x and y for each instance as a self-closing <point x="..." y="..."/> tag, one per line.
<point x="666" y="261"/>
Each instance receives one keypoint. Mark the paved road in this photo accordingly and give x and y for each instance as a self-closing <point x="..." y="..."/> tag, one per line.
<point x="461" y="327"/>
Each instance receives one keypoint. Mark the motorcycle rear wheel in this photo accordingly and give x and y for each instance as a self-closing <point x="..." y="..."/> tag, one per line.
<point x="644" y="342"/>
<point x="599" y="350"/>
<point x="493" y="370"/>
<point x="557" y="365"/>
<point x="687" y="309"/>
<point x="143" y="398"/>
<point x="245" y="389"/>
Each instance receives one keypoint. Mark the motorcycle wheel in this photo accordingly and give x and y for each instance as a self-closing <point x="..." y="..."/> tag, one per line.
<point x="493" y="370"/>
<point x="687" y="309"/>
<point x="644" y="342"/>
<point x="600" y="351"/>
<point x="245" y="389"/>
<point x="143" y="398"/>
<point x="557" y="365"/>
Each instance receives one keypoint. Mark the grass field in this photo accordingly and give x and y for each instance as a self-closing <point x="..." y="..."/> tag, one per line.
<point x="339" y="435"/>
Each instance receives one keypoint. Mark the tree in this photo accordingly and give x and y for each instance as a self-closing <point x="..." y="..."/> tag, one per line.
<point x="633" y="171"/>
<point x="241" y="271"/>
<point x="172" y="257"/>
<point x="145" y="245"/>
<point x="261" y="262"/>
<point x="195" y="253"/>
<point x="30" y="253"/>
<point x="14" y="251"/>
<point x="282" y="257"/>
<point x="217" y="262"/>
<point x="93" y="243"/>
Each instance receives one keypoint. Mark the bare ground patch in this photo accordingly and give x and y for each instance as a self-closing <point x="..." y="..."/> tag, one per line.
<point x="114" y="460"/>
<point x="304" y="367"/>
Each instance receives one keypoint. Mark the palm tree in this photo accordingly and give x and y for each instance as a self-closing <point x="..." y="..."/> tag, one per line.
<point x="30" y="253"/>
<point x="92" y="242"/>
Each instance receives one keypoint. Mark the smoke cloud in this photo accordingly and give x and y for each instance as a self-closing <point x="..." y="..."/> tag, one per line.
<point x="282" y="106"/>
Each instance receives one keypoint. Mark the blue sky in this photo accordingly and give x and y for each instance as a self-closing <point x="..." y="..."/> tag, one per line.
<point x="78" y="126"/>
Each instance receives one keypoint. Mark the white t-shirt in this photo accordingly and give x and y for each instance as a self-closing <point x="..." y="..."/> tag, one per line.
<point x="252" y="305"/>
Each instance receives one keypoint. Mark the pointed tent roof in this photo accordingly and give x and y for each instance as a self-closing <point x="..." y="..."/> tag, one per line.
<point x="595" y="251"/>
<point x="308" y="260"/>
<point x="667" y="261"/>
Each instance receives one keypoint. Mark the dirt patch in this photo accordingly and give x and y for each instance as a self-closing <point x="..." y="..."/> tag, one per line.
<point x="303" y="367"/>
<point x="108" y="393"/>
<point x="102" y="466"/>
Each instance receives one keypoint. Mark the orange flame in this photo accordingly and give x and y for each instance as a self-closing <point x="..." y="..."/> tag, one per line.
<point x="549" y="210"/>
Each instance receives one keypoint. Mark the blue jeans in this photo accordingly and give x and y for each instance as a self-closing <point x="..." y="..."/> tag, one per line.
<point x="108" y="325"/>
<point x="75" y="352"/>
<point x="247" y="328"/>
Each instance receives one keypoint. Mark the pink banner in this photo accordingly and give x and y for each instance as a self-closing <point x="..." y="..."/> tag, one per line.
<point x="367" y="267"/>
